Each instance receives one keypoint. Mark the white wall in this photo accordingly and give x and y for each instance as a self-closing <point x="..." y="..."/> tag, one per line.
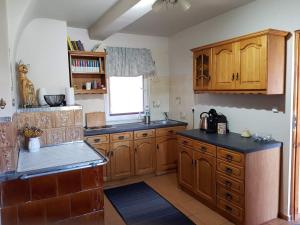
<point x="43" y="46"/>
<point x="243" y="111"/>
<point x="5" y="76"/>
<point x="159" y="87"/>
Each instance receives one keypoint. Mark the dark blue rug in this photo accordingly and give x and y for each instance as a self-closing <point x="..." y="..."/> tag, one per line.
<point x="139" y="204"/>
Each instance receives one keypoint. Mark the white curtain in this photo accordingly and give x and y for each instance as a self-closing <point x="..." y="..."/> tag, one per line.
<point x="129" y="62"/>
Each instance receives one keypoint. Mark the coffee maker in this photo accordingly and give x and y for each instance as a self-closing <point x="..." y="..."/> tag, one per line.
<point x="209" y="121"/>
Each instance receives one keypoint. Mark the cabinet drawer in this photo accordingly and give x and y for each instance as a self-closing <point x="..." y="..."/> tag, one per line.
<point x="205" y="148"/>
<point x="185" y="141"/>
<point x="232" y="210"/>
<point x="98" y="139"/>
<point x="231" y="156"/>
<point x="230" y="184"/>
<point x="230" y="196"/>
<point x="168" y="131"/>
<point x="125" y="136"/>
<point x="144" y="134"/>
<point x="229" y="170"/>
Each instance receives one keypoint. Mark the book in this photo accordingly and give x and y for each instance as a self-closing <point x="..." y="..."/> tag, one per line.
<point x="70" y="46"/>
<point x="74" y="45"/>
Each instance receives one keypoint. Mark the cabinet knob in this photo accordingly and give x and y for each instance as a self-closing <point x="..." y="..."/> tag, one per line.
<point x="228" y="208"/>
<point x="228" y="158"/>
<point x="237" y="76"/>
<point x="228" y="170"/>
<point x="97" y="140"/>
<point x="203" y="149"/>
<point x="145" y="134"/>
<point x="185" y="142"/>
<point x="228" y="197"/>
<point x="121" y="137"/>
<point x="232" y="77"/>
<point x="228" y="184"/>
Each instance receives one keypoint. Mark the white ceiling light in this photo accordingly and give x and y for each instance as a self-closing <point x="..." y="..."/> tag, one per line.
<point x="159" y="4"/>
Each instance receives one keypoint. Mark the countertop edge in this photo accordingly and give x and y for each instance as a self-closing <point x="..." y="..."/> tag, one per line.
<point x="145" y="127"/>
<point x="265" y="146"/>
<point x="12" y="175"/>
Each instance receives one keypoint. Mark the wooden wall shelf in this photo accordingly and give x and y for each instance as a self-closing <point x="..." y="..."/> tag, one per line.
<point x="87" y="67"/>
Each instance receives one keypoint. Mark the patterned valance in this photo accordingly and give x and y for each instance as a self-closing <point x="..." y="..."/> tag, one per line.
<point x="129" y="62"/>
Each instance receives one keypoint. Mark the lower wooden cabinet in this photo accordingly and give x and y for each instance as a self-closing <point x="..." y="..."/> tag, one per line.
<point x="186" y="167"/>
<point x="205" y="179"/>
<point x="121" y="159"/>
<point x="166" y="154"/>
<point x="144" y="156"/>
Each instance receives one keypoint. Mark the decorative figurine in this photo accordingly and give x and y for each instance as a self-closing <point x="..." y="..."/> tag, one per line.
<point x="27" y="91"/>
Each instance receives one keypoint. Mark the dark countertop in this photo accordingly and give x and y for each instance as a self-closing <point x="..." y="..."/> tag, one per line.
<point x="231" y="141"/>
<point x="117" y="128"/>
<point x="55" y="159"/>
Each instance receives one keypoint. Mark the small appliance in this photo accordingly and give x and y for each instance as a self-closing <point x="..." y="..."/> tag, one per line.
<point x="209" y="121"/>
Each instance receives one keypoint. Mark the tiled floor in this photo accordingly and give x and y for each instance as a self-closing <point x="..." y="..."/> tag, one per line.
<point x="167" y="186"/>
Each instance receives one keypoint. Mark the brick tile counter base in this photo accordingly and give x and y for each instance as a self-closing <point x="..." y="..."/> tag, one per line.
<point x="70" y="198"/>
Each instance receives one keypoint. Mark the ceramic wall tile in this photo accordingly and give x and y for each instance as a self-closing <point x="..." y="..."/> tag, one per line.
<point x="64" y="119"/>
<point x="74" y="134"/>
<point x="55" y="136"/>
<point x="78" y="118"/>
<point x="25" y="119"/>
<point x="6" y="135"/>
<point x="44" y="120"/>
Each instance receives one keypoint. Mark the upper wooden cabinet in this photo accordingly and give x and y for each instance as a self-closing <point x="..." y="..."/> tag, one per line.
<point x="253" y="63"/>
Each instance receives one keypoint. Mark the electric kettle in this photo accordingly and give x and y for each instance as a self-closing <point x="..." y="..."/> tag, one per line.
<point x="204" y="121"/>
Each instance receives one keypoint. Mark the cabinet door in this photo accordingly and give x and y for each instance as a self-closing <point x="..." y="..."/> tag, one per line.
<point x="251" y="62"/>
<point x="202" y="70"/>
<point x="224" y="67"/>
<point x="122" y="162"/>
<point x="205" y="181"/>
<point x="185" y="167"/>
<point x="144" y="156"/>
<point x="104" y="149"/>
<point x="166" y="153"/>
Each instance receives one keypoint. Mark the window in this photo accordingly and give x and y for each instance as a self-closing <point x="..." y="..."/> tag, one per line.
<point x="126" y="95"/>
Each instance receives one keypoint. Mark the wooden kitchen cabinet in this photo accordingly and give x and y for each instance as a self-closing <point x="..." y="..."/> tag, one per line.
<point x="224" y="67"/>
<point x="186" y="167"/>
<point x="202" y="70"/>
<point x="166" y="154"/>
<point x="144" y="156"/>
<point x="205" y="179"/>
<point x="253" y="63"/>
<point x="121" y="159"/>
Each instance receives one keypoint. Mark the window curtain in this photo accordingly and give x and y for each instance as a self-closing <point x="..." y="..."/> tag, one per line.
<point x="129" y="62"/>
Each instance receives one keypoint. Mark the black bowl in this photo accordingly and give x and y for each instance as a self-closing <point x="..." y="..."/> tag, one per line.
<point x="54" y="100"/>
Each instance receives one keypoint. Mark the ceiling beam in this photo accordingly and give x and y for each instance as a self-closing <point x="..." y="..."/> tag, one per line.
<point x="118" y="17"/>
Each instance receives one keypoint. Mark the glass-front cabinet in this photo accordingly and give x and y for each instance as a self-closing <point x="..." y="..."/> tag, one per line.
<point x="202" y="70"/>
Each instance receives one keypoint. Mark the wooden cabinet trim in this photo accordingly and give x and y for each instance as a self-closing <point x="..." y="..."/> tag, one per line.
<point x="98" y="139"/>
<point x="205" y="148"/>
<point x="230" y="156"/>
<point x="142" y="134"/>
<point x="230" y="170"/>
<point x="168" y="131"/>
<point x="124" y="136"/>
<point x="247" y="36"/>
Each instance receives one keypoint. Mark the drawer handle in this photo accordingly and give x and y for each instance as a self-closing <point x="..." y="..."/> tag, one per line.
<point x="171" y="131"/>
<point x="228" y="184"/>
<point x="145" y="134"/>
<point x="228" y="208"/>
<point x="121" y="137"/>
<point x="185" y="142"/>
<point x="203" y="149"/>
<point x="97" y="140"/>
<point x="228" y="197"/>
<point x="228" y="170"/>
<point x="229" y="158"/>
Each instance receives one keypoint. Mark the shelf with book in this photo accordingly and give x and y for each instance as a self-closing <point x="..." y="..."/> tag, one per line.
<point x="87" y="72"/>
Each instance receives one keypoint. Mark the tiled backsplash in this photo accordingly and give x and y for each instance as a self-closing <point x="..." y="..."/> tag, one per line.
<point x="58" y="126"/>
<point x="8" y="147"/>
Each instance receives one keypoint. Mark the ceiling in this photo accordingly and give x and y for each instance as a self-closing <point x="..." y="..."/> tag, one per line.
<point x="77" y="13"/>
<point x="173" y="20"/>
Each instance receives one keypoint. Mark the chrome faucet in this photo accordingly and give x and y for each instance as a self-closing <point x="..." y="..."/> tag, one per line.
<point x="166" y="115"/>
